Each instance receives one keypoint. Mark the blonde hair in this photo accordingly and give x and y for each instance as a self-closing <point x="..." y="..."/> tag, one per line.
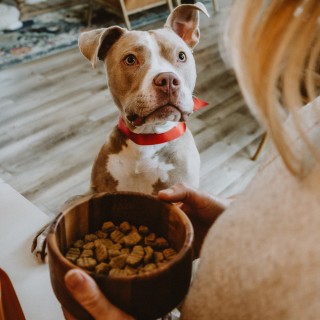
<point x="274" y="48"/>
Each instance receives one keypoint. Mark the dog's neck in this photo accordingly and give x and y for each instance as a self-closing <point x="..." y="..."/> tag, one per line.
<point x="161" y="134"/>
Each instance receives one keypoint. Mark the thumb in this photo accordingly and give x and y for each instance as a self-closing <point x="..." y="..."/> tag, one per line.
<point x="84" y="289"/>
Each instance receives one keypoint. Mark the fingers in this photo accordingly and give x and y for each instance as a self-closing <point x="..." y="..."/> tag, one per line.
<point x="176" y="193"/>
<point x="195" y="202"/>
<point x="84" y="289"/>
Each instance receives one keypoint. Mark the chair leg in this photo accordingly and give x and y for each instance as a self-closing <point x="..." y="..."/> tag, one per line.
<point x="215" y="5"/>
<point x="89" y="14"/>
<point x="261" y="146"/>
<point x="170" y="5"/>
<point x="125" y="14"/>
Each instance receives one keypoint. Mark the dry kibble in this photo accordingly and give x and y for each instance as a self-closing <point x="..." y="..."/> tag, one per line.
<point x="89" y="237"/>
<point x="148" y="254"/>
<point x="116" y="246"/>
<point x="78" y="244"/>
<point x="130" y="271"/>
<point x="158" y="256"/>
<point x="119" y="261"/>
<point x="117" y="273"/>
<point x="144" y="230"/>
<point x="89" y="245"/>
<point x="123" y="250"/>
<point x="100" y="234"/>
<point x="132" y="239"/>
<point x="117" y="236"/>
<point x="102" y="268"/>
<point x="169" y="253"/>
<point x="136" y="256"/>
<point x="73" y="254"/>
<point x="108" y="226"/>
<point x="101" y="253"/>
<point x="106" y="242"/>
<point x="87" y="253"/>
<point x="150" y="239"/>
<point x="114" y="253"/>
<point x="86" y="262"/>
<point x="161" y="243"/>
<point x="125" y="227"/>
<point x="150" y="267"/>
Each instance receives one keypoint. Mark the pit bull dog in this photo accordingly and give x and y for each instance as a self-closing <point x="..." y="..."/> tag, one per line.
<point x="151" y="76"/>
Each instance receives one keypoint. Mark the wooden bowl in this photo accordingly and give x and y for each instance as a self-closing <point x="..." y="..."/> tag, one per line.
<point x="146" y="296"/>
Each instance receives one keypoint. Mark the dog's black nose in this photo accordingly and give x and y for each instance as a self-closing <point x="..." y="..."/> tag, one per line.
<point x="167" y="81"/>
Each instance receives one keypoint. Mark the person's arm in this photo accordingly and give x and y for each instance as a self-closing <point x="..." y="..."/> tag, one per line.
<point x="84" y="289"/>
<point x="201" y="208"/>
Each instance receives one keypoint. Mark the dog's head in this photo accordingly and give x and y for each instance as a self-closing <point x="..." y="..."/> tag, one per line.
<point x="151" y="74"/>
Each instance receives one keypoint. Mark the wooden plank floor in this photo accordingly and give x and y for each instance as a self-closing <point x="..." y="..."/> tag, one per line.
<point x="56" y="112"/>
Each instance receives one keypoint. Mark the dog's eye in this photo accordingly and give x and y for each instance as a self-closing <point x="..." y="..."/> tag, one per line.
<point x="130" y="60"/>
<point x="182" y="56"/>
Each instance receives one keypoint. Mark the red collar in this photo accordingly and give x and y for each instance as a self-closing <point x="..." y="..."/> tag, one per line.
<point x="154" y="138"/>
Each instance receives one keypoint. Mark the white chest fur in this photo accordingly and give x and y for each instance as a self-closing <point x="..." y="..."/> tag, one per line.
<point x="138" y="168"/>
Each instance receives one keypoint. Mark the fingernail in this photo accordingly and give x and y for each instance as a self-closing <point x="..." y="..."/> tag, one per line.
<point x="167" y="191"/>
<point x="74" y="279"/>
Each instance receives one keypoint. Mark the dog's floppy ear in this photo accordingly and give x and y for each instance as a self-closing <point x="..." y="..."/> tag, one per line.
<point x="184" y="21"/>
<point x="96" y="43"/>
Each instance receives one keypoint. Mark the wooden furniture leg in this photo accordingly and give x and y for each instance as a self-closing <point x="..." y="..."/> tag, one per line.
<point x="125" y="14"/>
<point x="215" y="4"/>
<point x="261" y="145"/>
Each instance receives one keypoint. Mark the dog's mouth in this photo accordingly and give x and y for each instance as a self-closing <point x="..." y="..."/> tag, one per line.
<point x="162" y="114"/>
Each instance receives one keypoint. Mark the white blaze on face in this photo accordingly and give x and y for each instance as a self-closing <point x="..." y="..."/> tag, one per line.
<point x="138" y="168"/>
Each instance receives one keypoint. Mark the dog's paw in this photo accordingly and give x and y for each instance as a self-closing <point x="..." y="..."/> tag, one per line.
<point x="39" y="244"/>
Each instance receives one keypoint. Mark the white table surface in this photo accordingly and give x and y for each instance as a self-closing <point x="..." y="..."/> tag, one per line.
<point x="19" y="222"/>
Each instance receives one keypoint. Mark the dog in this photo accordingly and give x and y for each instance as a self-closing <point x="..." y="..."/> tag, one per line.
<point x="151" y="76"/>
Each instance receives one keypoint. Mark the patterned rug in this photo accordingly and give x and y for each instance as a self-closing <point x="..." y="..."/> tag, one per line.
<point x="54" y="32"/>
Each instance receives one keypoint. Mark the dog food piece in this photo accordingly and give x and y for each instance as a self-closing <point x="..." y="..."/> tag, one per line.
<point x="132" y="239"/>
<point x="149" y="267"/>
<point x="161" y="243"/>
<point x="86" y="262"/>
<point x="130" y="271"/>
<point x="105" y="242"/>
<point x="100" y="234"/>
<point x="169" y="253"/>
<point x="136" y="256"/>
<point x="117" y="236"/>
<point x="108" y="226"/>
<point x="125" y="227"/>
<point x="148" y="254"/>
<point x="150" y="239"/>
<point x="114" y="253"/>
<point x="73" y="254"/>
<point x="117" y="273"/>
<point x="116" y="246"/>
<point x="102" y="268"/>
<point x="101" y="253"/>
<point x="87" y="253"/>
<point x="90" y="237"/>
<point x="118" y="262"/>
<point x="158" y="257"/>
<point x="125" y="250"/>
<point x="144" y="230"/>
<point x="89" y="245"/>
<point x="78" y="244"/>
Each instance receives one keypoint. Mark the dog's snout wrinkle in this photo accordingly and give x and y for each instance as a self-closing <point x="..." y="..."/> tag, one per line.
<point x="167" y="81"/>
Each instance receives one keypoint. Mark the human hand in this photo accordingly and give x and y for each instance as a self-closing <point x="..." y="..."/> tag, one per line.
<point x="201" y="208"/>
<point x="84" y="290"/>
